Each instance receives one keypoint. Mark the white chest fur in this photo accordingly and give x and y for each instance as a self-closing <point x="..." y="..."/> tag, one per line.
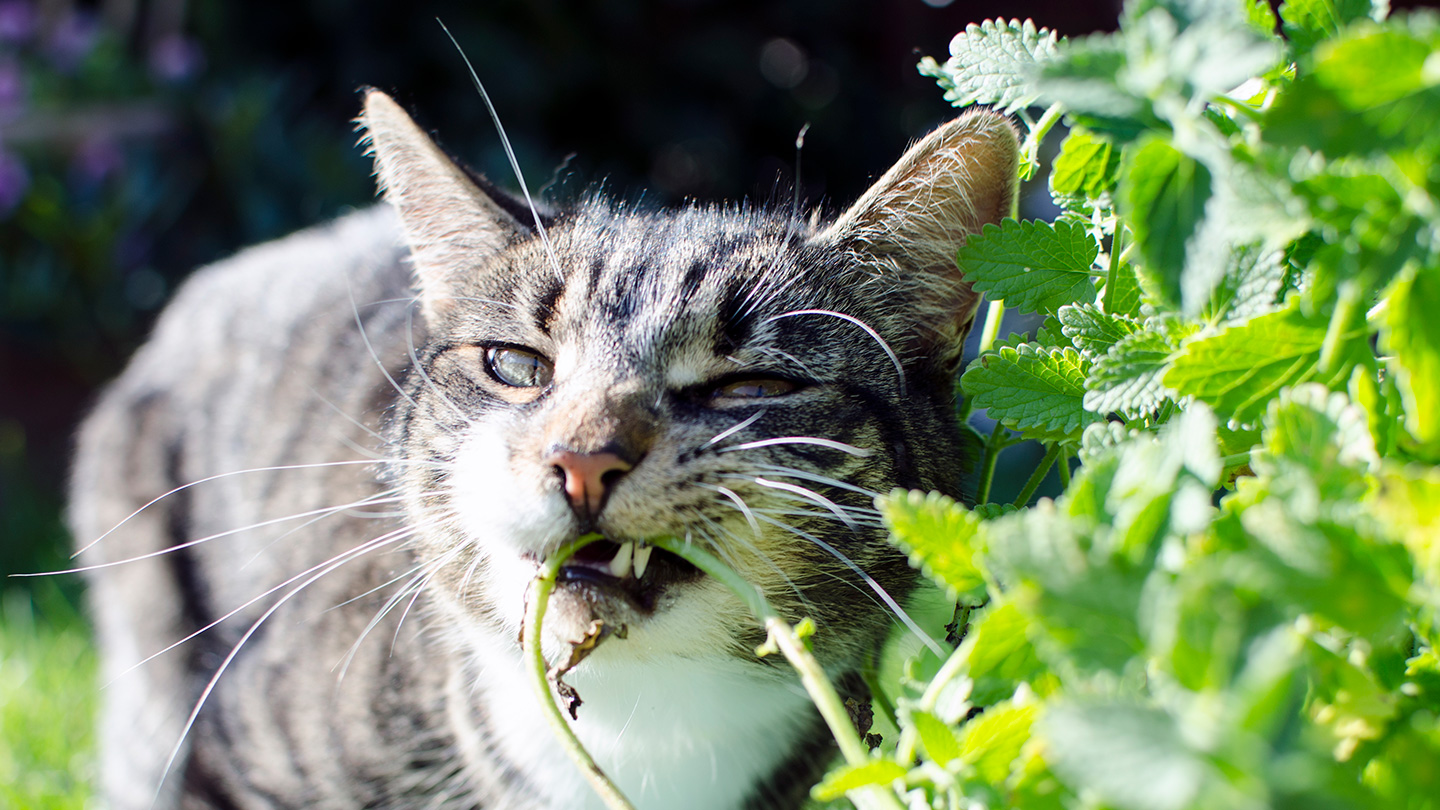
<point x="671" y="732"/>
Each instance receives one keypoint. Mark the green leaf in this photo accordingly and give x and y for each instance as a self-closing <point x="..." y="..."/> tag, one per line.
<point x="1033" y="390"/>
<point x="1127" y="379"/>
<point x="1034" y="266"/>
<point x="850" y="777"/>
<point x="1239" y="370"/>
<point x="1251" y="287"/>
<point x="1129" y="756"/>
<point x="1309" y="22"/>
<point x="998" y="653"/>
<point x="1162" y="195"/>
<point x="940" y="536"/>
<point x="939" y="742"/>
<point x="989" y="64"/>
<point x="1409" y="503"/>
<point x="1092" y="330"/>
<point x="1412" y="338"/>
<point x="1083" y="77"/>
<point x="992" y="741"/>
<point x="1088" y="165"/>
<point x="1128" y="297"/>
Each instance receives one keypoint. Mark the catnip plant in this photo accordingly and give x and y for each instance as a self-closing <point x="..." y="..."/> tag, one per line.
<point x="1233" y="603"/>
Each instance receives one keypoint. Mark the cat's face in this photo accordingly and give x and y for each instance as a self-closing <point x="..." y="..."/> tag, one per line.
<point x="731" y="378"/>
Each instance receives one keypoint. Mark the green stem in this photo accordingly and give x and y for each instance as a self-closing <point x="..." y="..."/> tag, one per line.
<point x="540" y="590"/>
<point x="1064" y="470"/>
<point x="987" y="464"/>
<point x="1339" y="325"/>
<point x="991" y="330"/>
<point x="1112" y="277"/>
<point x="782" y="636"/>
<point x="1029" y="152"/>
<point x="1039" y="475"/>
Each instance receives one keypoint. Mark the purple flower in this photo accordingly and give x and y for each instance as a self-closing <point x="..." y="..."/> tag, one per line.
<point x="14" y="182"/>
<point x="17" y="20"/>
<point x="12" y="86"/>
<point x="72" y="40"/>
<point x="175" y="59"/>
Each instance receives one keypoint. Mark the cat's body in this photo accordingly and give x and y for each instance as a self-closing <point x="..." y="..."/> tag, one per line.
<point x="731" y="377"/>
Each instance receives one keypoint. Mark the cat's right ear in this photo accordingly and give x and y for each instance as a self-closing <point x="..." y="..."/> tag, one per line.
<point x="450" y="223"/>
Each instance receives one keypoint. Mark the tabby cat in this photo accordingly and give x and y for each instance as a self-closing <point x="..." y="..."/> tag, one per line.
<point x="345" y="452"/>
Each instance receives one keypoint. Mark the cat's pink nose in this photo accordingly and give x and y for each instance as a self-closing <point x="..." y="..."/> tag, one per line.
<point x="589" y="477"/>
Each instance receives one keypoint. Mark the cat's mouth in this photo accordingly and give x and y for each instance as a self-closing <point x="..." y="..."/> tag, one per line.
<point x="632" y="571"/>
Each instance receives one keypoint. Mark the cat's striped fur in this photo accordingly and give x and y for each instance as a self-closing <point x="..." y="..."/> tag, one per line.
<point x="393" y="417"/>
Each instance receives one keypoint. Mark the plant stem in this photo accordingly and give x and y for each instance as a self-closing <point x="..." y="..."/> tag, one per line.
<point x="1112" y="278"/>
<point x="991" y="330"/>
<point x="1030" y="150"/>
<point x="987" y="464"/>
<point x="1039" y="475"/>
<point x="1064" y="468"/>
<point x="1339" y="324"/>
<point x="540" y="589"/>
<point x="782" y="636"/>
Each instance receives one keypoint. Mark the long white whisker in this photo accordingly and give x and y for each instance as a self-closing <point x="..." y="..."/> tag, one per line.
<point x="383" y="539"/>
<point x="899" y="370"/>
<point x="869" y="580"/>
<point x="205" y="693"/>
<point x="830" y="443"/>
<point x="733" y="429"/>
<point x="809" y="495"/>
<point x="206" y="480"/>
<point x="791" y="472"/>
<point x="327" y="511"/>
<point x="509" y="153"/>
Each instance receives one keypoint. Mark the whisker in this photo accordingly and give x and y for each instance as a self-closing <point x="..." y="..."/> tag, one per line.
<point x="791" y="472"/>
<point x="739" y="503"/>
<point x="733" y="429"/>
<point x="419" y="369"/>
<point x="383" y="539"/>
<point x="207" y="480"/>
<point x="327" y="511"/>
<point x="895" y="360"/>
<point x="509" y="153"/>
<point x="334" y="563"/>
<point x="830" y="443"/>
<point x="808" y="494"/>
<point x="869" y="580"/>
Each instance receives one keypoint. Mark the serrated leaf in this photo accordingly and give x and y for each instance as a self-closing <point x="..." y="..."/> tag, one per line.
<point x="1412" y="338"/>
<point x="1251" y="287"/>
<point x="1239" y="370"/>
<point x="850" y="777"/>
<point x="1033" y="390"/>
<point x="1163" y="193"/>
<point x="1092" y="330"/>
<point x="989" y="64"/>
<point x="998" y="653"/>
<point x="1033" y="265"/>
<point x="992" y="741"/>
<point x="939" y="742"/>
<point x="940" y="536"/>
<point x="1087" y="165"/>
<point x="1127" y="379"/>
<point x="1127" y="297"/>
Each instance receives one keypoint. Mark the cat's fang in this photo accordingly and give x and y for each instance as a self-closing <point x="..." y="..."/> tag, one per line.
<point x="642" y="559"/>
<point x="620" y="565"/>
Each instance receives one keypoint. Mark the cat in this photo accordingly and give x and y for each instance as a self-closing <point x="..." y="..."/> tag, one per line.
<point x="349" y="449"/>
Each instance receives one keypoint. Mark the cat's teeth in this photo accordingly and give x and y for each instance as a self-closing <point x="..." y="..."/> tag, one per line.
<point x="642" y="559"/>
<point x="620" y="566"/>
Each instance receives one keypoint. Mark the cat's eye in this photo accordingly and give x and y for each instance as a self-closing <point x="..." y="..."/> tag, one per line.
<point x="758" y="388"/>
<point x="518" y="367"/>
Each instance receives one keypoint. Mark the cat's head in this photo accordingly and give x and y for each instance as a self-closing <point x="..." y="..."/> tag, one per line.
<point x="726" y="375"/>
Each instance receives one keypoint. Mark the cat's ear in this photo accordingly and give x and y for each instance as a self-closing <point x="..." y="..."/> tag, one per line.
<point x="450" y="222"/>
<point x="912" y="220"/>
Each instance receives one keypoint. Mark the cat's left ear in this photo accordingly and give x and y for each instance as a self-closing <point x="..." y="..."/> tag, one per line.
<point x="912" y="220"/>
<point x="451" y="222"/>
